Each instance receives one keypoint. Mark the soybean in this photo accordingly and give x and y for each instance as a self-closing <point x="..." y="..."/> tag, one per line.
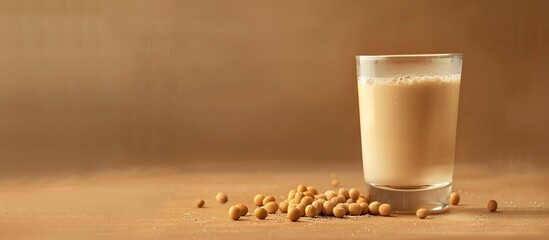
<point x="200" y="203"/>
<point x="344" y="192"/>
<point x="385" y="209"/>
<point x="328" y="208"/>
<point x="354" y="194"/>
<point x="364" y="207"/>
<point x="283" y="206"/>
<point x="307" y="200"/>
<point x="344" y="206"/>
<point x="268" y="199"/>
<point x="291" y="194"/>
<point x="260" y="213"/>
<point x="258" y="199"/>
<point x="298" y="197"/>
<point x="301" y="188"/>
<point x="330" y="195"/>
<point x="454" y="198"/>
<point x="339" y="212"/>
<point x="310" y="211"/>
<point x="221" y="197"/>
<point x="294" y="214"/>
<point x="341" y="198"/>
<point x="422" y="213"/>
<point x="301" y="207"/>
<point x="373" y="208"/>
<point x="355" y="209"/>
<point x="321" y="196"/>
<point x="234" y="213"/>
<point x="291" y="206"/>
<point x="271" y="207"/>
<point x="310" y="194"/>
<point x="318" y="206"/>
<point x="335" y="200"/>
<point x="347" y="208"/>
<point x="492" y="205"/>
<point x="312" y="190"/>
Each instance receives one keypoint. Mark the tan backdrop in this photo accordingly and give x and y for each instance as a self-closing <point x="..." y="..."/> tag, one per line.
<point x="88" y="85"/>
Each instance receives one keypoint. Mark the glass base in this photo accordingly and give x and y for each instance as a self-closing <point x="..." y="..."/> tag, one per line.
<point x="409" y="199"/>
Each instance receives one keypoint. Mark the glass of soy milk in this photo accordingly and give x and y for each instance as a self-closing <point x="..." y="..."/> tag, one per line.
<point x="408" y="115"/>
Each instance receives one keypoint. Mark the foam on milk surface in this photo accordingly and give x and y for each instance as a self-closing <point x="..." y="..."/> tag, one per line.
<point x="408" y="80"/>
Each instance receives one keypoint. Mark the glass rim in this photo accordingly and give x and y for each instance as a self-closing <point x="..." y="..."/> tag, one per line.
<point x="410" y="56"/>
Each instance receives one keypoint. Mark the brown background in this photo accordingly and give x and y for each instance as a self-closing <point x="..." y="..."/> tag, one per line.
<point x="87" y="85"/>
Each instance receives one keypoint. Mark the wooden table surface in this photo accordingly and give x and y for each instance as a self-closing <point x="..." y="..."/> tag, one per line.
<point x="159" y="204"/>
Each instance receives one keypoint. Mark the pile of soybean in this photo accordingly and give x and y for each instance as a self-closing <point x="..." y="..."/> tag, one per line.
<point x="308" y="202"/>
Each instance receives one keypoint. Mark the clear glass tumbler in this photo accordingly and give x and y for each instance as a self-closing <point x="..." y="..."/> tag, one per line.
<point x="408" y="116"/>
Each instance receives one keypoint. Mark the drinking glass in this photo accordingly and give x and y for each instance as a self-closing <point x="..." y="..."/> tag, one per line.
<point x="408" y="116"/>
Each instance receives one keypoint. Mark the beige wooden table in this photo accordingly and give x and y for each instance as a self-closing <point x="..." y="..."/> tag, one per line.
<point x="159" y="204"/>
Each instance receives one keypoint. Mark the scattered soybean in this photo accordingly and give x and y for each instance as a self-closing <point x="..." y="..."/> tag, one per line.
<point x="492" y="205"/>
<point x="258" y="199"/>
<point x="422" y="213"/>
<point x="234" y="213"/>
<point x="221" y="197"/>
<point x="200" y="203"/>
<point x="454" y="198"/>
